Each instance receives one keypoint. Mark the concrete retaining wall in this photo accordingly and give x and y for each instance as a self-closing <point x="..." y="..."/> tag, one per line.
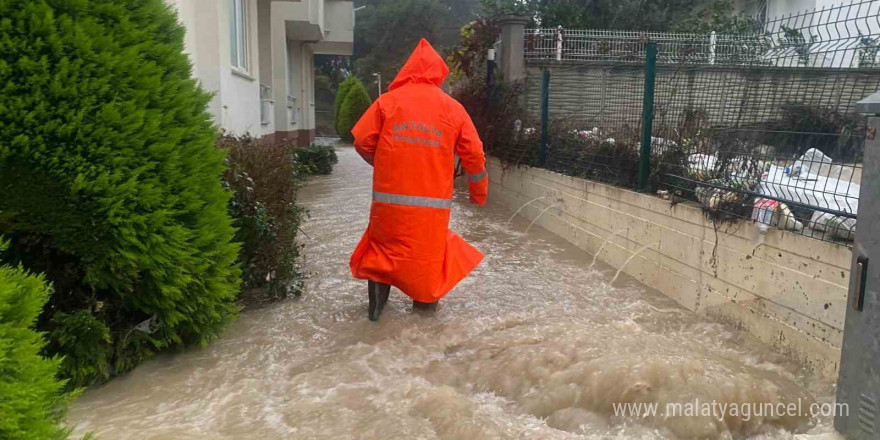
<point x="790" y="292"/>
<point x="610" y="95"/>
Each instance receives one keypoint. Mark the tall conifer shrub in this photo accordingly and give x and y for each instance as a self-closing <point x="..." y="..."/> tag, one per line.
<point x="110" y="180"/>
<point x="32" y="402"/>
<point x="355" y="104"/>
<point x="341" y="93"/>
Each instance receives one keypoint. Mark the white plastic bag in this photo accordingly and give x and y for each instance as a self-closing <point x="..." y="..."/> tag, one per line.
<point x="843" y="228"/>
<point x="813" y="161"/>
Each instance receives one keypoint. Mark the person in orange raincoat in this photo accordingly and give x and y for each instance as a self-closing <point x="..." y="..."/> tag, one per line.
<point x="411" y="135"/>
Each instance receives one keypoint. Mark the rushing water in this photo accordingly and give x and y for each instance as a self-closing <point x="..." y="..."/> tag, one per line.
<point x="533" y="345"/>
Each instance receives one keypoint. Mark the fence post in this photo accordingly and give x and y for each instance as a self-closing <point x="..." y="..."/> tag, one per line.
<point x="713" y="39"/>
<point x="647" y="115"/>
<point x="545" y="116"/>
<point x="559" y="43"/>
<point x="512" y="57"/>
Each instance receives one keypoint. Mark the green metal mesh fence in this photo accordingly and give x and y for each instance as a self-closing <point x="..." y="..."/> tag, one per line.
<point x="758" y="126"/>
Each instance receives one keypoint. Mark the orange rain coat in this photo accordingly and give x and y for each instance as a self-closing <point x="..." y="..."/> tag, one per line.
<point x="411" y="136"/>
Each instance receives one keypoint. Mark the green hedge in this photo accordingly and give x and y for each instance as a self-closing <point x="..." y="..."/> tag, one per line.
<point x="31" y="399"/>
<point x="317" y="159"/>
<point x="341" y="93"/>
<point x="355" y="104"/>
<point x="111" y="181"/>
<point x="263" y="177"/>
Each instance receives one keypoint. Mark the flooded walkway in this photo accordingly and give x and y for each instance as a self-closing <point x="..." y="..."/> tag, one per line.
<point x="533" y="345"/>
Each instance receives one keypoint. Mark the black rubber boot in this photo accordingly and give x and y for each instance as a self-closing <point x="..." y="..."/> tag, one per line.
<point x="378" y="293"/>
<point x="425" y="307"/>
<point x="373" y="309"/>
<point x="384" y="292"/>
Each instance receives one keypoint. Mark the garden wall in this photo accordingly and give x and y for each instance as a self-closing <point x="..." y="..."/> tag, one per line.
<point x="790" y="292"/>
<point x="607" y="95"/>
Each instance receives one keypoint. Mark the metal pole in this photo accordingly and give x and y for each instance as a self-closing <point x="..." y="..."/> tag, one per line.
<point x="490" y="67"/>
<point x="545" y="116"/>
<point x="378" y="76"/>
<point x="490" y="76"/>
<point x="647" y="115"/>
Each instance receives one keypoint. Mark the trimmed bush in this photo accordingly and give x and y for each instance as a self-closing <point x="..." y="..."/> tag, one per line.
<point x="341" y="93"/>
<point x="31" y="399"/>
<point x="317" y="159"/>
<point x="263" y="177"/>
<point x="356" y="103"/>
<point x="111" y="181"/>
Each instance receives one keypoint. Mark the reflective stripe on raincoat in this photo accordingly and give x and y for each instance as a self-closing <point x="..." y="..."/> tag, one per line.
<point x="411" y="136"/>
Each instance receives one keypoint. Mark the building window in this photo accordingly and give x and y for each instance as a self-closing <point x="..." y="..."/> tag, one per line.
<point x="238" y="33"/>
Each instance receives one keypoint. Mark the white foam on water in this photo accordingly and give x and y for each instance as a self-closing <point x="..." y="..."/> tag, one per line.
<point x="532" y="345"/>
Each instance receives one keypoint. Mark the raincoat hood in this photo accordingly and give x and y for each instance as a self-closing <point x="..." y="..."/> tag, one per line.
<point x="424" y="66"/>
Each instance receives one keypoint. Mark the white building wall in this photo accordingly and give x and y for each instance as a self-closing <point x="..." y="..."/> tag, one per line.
<point x="779" y="8"/>
<point x="240" y="89"/>
<point x="310" y="85"/>
<point x="294" y="87"/>
<point x="200" y="18"/>
<point x="264" y="35"/>
<point x="236" y="102"/>
<point x="264" y="52"/>
<point x="283" y="37"/>
<point x="186" y="16"/>
<point x="301" y="66"/>
<point x="338" y="29"/>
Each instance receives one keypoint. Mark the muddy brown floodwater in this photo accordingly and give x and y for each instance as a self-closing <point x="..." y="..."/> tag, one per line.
<point x="533" y="345"/>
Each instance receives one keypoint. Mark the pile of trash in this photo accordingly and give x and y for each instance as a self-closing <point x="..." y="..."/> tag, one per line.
<point x="730" y="185"/>
<point x="592" y="135"/>
<point x="813" y="180"/>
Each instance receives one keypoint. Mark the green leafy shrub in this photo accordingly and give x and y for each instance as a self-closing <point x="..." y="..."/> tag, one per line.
<point x="318" y="159"/>
<point x="341" y="93"/>
<point x="86" y="342"/>
<point x="263" y="177"/>
<point x="356" y="103"/>
<point x="32" y="402"/>
<point x="111" y="180"/>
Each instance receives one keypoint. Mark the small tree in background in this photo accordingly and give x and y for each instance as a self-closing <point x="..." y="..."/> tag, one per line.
<point x="341" y="93"/>
<point x="32" y="403"/>
<point x="356" y="103"/>
<point x="111" y="181"/>
<point x="387" y="31"/>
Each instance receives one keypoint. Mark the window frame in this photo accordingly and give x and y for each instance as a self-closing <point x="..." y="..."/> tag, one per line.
<point x="239" y="52"/>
